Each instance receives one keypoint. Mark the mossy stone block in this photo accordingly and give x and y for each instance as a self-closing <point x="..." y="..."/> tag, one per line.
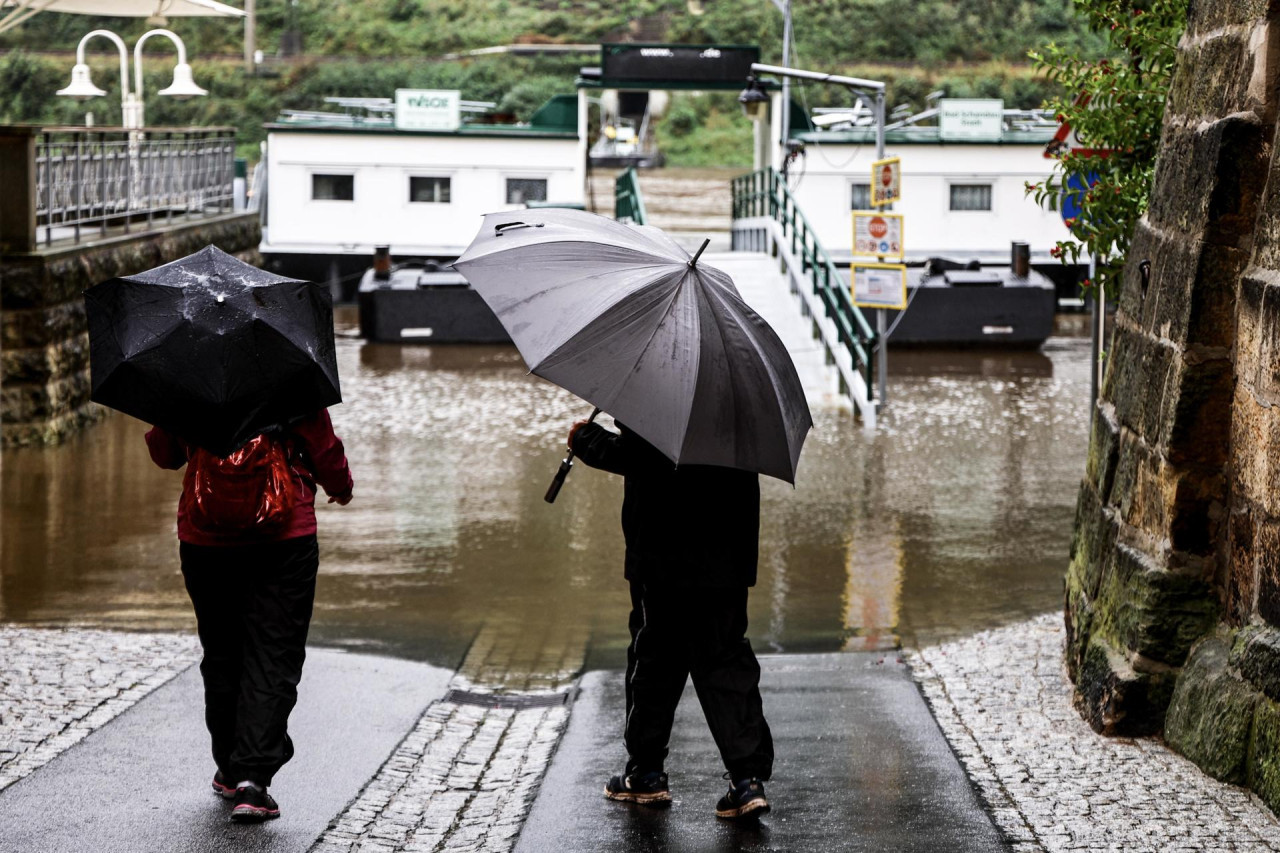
<point x="1211" y="713"/>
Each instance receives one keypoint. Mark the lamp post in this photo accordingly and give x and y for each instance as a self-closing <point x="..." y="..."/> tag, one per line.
<point x="131" y="105"/>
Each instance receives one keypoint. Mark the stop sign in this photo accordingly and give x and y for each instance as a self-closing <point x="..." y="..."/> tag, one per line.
<point x="886" y="175"/>
<point x="877" y="227"/>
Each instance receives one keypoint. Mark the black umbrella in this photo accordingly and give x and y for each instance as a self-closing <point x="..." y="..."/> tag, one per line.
<point x="212" y="349"/>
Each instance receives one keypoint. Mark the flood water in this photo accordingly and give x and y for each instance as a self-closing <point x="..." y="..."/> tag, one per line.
<point x="954" y="516"/>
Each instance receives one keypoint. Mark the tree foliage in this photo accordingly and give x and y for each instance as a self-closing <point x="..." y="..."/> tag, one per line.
<point x="372" y="47"/>
<point x="826" y="31"/>
<point x="1115" y="106"/>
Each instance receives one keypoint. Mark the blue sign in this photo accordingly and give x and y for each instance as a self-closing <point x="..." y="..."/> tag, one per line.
<point x="1071" y="204"/>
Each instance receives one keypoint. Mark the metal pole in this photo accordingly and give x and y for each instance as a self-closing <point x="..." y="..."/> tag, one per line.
<point x="880" y="124"/>
<point x="882" y="363"/>
<point x="785" y="117"/>
<point x="250" y="34"/>
<point x="1095" y="343"/>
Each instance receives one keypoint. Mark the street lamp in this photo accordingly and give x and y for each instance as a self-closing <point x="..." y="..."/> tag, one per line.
<point x="131" y="107"/>
<point x="755" y="103"/>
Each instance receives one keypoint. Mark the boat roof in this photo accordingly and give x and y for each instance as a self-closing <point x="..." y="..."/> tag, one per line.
<point x="921" y="135"/>
<point x="556" y="119"/>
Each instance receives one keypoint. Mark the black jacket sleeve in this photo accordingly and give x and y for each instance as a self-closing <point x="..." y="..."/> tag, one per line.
<point x="600" y="448"/>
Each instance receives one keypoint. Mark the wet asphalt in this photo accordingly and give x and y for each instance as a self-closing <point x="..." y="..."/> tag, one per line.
<point x="860" y="766"/>
<point x="142" y="782"/>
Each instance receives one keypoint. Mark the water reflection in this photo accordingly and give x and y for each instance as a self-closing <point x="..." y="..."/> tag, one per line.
<point x="954" y="516"/>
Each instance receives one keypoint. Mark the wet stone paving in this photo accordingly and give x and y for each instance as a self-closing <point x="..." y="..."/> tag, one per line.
<point x="58" y="686"/>
<point x="465" y="778"/>
<point x="1003" y="700"/>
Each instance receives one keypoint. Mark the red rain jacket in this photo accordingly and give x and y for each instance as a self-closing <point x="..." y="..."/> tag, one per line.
<point x="319" y="459"/>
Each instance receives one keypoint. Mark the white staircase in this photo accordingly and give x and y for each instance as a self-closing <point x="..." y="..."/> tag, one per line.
<point x="765" y="288"/>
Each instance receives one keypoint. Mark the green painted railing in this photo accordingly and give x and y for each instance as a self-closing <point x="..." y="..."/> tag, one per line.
<point x="765" y="194"/>
<point x="628" y="204"/>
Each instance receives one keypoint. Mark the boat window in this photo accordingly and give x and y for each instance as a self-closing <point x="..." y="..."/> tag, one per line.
<point x="860" y="198"/>
<point x="429" y="189"/>
<point x="333" y="187"/>
<point x="971" y="196"/>
<point x="524" y="190"/>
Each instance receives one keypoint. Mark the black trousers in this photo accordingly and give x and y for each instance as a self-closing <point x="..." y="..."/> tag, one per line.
<point x="678" y="633"/>
<point x="253" y="608"/>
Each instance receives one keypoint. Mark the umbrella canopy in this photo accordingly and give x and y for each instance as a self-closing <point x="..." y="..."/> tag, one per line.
<point x="18" y="11"/>
<point x="620" y="316"/>
<point x="212" y="349"/>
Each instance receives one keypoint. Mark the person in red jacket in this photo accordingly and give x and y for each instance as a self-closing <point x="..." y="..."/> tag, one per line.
<point x="253" y="592"/>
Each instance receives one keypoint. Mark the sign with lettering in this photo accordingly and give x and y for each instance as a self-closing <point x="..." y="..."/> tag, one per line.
<point x="717" y="64"/>
<point x="886" y="181"/>
<point x="970" y="119"/>
<point x="877" y="234"/>
<point x="879" y="285"/>
<point x="428" y="109"/>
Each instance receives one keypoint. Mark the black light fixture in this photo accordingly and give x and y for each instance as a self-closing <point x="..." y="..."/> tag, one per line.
<point x="754" y="100"/>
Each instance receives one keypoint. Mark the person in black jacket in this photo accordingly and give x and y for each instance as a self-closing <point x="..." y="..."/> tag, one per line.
<point x="692" y="540"/>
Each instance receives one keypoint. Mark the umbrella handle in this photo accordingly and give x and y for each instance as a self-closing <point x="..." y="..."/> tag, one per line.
<point x="558" y="480"/>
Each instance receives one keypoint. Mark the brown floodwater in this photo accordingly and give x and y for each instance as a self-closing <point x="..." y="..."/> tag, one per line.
<point x="954" y="516"/>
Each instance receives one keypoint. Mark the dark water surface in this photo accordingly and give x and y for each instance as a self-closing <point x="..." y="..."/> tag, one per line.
<point x="954" y="517"/>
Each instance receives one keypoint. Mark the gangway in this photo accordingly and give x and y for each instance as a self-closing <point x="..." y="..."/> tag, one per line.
<point x="767" y="222"/>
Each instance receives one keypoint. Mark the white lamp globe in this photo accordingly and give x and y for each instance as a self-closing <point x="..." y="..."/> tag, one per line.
<point x="81" y="86"/>
<point x="183" y="86"/>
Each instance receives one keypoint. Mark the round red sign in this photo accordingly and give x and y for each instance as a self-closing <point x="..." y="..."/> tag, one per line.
<point x="886" y="175"/>
<point x="877" y="227"/>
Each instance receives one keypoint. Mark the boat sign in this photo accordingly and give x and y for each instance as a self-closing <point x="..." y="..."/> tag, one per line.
<point x="886" y="181"/>
<point x="428" y="109"/>
<point x="970" y="119"/>
<point x="879" y="285"/>
<point x="877" y="234"/>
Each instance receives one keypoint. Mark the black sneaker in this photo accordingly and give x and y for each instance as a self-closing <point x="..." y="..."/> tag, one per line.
<point x="745" y="799"/>
<point x="254" y="805"/>
<point x="221" y="788"/>
<point x="647" y="788"/>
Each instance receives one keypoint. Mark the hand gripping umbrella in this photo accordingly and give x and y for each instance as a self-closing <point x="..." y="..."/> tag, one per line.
<point x="623" y="317"/>
<point x="212" y="349"/>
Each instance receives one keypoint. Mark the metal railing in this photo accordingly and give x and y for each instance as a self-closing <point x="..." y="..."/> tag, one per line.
<point x="762" y="196"/>
<point x="628" y="204"/>
<point x="89" y="180"/>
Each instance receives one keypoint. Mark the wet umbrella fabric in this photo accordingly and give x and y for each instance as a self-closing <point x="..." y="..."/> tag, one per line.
<point x="618" y="315"/>
<point x="212" y="349"/>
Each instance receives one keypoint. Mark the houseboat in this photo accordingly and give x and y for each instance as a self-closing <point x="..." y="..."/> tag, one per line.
<point x="965" y="168"/>
<point x="416" y="173"/>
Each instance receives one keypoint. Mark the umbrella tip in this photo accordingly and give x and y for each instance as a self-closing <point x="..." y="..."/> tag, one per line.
<point x="693" y="262"/>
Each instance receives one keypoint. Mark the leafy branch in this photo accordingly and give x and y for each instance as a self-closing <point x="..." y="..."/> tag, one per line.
<point x="1115" y="108"/>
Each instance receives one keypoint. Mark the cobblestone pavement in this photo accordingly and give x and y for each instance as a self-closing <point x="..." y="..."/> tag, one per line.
<point x="465" y="778"/>
<point x="1003" y="700"/>
<point x="58" y="686"/>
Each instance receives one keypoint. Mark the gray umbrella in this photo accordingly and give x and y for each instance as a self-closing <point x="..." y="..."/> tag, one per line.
<point x="624" y="318"/>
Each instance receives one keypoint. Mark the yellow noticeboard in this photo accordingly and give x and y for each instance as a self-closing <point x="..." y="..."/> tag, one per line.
<point x="886" y="181"/>
<point x="878" y="234"/>
<point x="879" y="285"/>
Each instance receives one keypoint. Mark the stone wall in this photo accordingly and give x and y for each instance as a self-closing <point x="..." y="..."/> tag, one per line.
<point x="44" y="341"/>
<point x="1173" y="592"/>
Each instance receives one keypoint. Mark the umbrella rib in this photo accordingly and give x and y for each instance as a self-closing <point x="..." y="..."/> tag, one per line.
<point x="671" y="301"/>
<point x="666" y="310"/>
